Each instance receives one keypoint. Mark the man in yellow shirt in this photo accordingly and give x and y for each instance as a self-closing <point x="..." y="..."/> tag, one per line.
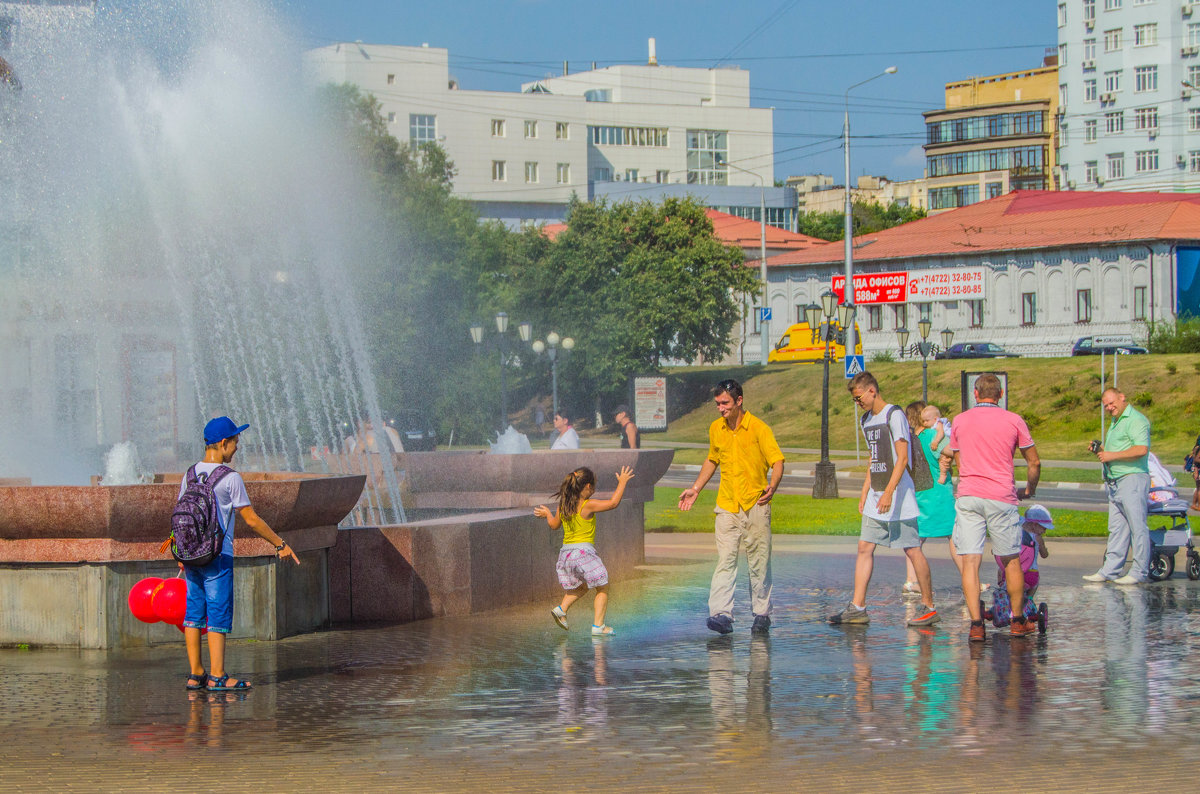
<point x="744" y="448"/>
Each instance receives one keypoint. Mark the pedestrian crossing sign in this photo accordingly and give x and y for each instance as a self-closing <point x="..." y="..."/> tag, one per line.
<point x="854" y="365"/>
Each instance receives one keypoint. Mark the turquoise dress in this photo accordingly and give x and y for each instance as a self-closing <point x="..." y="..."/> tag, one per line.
<point x="936" y="505"/>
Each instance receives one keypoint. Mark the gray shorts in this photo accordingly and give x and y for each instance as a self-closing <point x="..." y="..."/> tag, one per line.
<point x="901" y="534"/>
<point x="976" y="517"/>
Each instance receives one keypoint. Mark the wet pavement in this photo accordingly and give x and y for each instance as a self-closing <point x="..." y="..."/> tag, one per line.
<point x="507" y="701"/>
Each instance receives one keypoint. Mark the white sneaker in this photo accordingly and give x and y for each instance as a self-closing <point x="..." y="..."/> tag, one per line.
<point x="1128" y="580"/>
<point x="910" y="590"/>
<point x="1096" y="577"/>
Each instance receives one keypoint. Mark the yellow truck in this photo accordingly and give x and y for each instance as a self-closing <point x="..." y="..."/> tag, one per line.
<point x="800" y="343"/>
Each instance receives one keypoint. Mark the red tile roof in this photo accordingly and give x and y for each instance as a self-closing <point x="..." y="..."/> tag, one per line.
<point x="1024" y="219"/>
<point x="737" y="231"/>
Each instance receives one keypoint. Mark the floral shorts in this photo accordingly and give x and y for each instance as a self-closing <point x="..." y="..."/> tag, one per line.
<point x="580" y="565"/>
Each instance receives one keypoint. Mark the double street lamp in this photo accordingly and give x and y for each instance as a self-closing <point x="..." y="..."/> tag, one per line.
<point x="550" y="347"/>
<point x="525" y="330"/>
<point x="825" y="486"/>
<point x="924" y="349"/>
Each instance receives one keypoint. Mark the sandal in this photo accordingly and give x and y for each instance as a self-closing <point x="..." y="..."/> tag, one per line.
<point x="222" y="684"/>
<point x="197" y="681"/>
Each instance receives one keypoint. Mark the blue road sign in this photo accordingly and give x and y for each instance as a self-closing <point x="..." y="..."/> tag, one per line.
<point x="854" y="365"/>
<point x="764" y="314"/>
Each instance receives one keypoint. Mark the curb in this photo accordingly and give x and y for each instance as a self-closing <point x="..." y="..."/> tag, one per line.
<point x="1073" y="486"/>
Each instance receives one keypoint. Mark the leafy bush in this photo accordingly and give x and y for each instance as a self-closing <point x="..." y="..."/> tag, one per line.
<point x="1171" y="368"/>
<point x="1181" y="336"/>
<point x="882" y="356"/>
<point x="1143" y="399"/>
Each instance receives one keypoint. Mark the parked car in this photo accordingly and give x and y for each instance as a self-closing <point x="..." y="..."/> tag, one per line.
<point x="1095" y="345"/>
<point x="416" y="431"/>
<point x="976" y="350"/>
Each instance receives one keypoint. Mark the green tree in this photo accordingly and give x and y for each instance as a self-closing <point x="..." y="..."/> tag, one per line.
<point x="868" y="217"/>
<point x="634" y="284"/>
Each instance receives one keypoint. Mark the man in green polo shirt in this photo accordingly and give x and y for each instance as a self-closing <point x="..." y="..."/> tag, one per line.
<point x="1125" y="456"/>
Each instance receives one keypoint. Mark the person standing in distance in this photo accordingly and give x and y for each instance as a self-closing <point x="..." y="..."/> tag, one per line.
<point x="982" y="442"/>
<point x="567" y="437"/>
<point x="210" y="587"/>
<point x="631" y="437"/>
<point x="744" y="448"/>
<point x="1126" y="460"/>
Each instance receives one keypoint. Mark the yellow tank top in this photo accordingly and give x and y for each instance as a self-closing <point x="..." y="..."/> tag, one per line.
<point x="579" y="530"/>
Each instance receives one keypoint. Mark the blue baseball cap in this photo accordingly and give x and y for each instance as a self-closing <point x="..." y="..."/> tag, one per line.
<point x="220" y="429"/>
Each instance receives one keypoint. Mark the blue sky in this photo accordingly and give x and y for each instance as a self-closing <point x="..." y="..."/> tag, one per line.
<point x="801" y="54"/>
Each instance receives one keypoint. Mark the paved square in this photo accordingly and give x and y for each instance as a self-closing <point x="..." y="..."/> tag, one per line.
<point x="1106" y="700"/>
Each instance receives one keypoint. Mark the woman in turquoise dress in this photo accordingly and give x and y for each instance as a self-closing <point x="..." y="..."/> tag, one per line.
<point x="936" y="505"/>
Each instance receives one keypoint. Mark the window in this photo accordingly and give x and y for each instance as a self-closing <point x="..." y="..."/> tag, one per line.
<point x="900" y="316"/>
<point x="1089" y="91"/>
<point x="1194" y="161"/>
<point x="531" y="171"/>
<point x="1062" y="55"/>
<point x="1028" y="308"/>
<point x="498" y="171"/>
<point x="1139" y="303"/>
<point x="875" y="318"/>
<point x="562" y="131"/>
<point x="1091" y="171"/>
<point x="707" y="152"/>
<point x="662" y="176"/>
<point x="1193" y="34"/>
<point x="1089" y="130"/>
<point x="603" y="173"/>
<point x="631" y="175"/>
<point x="925" y="311"/>
<point x="1145" y="35"/>
<point x="1116" y="165"/>
<point x="1145" y="78"/>
<point x="1112" y="5"/>
<point x="628" y="136"/>
<point x="1194" y="75"/>
<point x="497" y="128"/>
<point x="598" y="95"/>
<point x="995" y="189"/>
<point x="1112" y="81"/>
<point x="422" y="128"/>
<point x="1023" y="159"/>
<point x="943" y="198"/>
<point x="1062" y="97"/>
<point x="1089" y="10"/>
<point x="1145" y="118"/>
<point x="530" y="128"/>
<point x="1000" y="125"/>
<point x="1114" y="123"/>
<point x="564" y="174"/>
<point x="1089" y="50"/>
<point x="391" y="79"/>
<point x="1194" y="120"/>
<point x="391" y="117"/>
<point x="1145" y="162"/>
<point x="1083" y="305"/>
<point x="1062" y="14"/>
<point x="1112" y="40"/>
<point x="976" y="307"/>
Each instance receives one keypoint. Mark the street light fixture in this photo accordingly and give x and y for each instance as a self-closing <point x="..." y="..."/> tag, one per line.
<point x="924" y="349"/>
<point x="550" y="347"/>
<point x="825" y="486"/>
<point x="764" y="325"/>
<point x="848" y="231"/>
<point x="525" y="329"/>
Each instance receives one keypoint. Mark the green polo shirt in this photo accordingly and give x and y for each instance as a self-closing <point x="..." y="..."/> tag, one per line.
<point x="1130" y="429"/>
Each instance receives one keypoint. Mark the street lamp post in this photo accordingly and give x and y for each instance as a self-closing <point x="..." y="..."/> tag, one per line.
<point x="550" y="348"/>
<point x="924" y="349"/>
<point x="764" y="325"/>
<point x="848" y="230"/>
<point x="825" y="486"/>
<point x="525" y="329"/>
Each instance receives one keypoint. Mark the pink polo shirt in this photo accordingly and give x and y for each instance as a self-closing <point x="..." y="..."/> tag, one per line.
<point x="986" y="437"/>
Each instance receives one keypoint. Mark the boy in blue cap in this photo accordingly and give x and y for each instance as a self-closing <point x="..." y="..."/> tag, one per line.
<point x="210" y="587"/>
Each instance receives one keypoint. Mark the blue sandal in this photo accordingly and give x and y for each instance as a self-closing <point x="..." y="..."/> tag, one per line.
<point x="197" y="681"/>
<point x="221" y="685"/>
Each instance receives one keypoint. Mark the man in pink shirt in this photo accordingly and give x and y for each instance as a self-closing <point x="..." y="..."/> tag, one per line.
<point x="982" y="442"/>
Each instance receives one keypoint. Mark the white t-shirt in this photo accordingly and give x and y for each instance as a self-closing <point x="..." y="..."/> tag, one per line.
<point x="904" y="498"/>
<point x="568" y="440"/>
<point x="231" y="495"/>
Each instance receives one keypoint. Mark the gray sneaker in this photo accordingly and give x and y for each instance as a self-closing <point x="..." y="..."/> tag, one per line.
<point x="851" y="614"/>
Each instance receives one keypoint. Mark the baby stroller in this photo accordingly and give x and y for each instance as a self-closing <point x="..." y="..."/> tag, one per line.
<point x="1174" y="531"/>
<point x="1038" y="519"/>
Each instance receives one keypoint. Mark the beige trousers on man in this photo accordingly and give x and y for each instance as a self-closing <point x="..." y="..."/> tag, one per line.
<point x="750" y="529"/>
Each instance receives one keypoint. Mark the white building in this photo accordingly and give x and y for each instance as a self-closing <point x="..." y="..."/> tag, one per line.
<point x="1129" y="74"/>
<point x="520" y="156"/>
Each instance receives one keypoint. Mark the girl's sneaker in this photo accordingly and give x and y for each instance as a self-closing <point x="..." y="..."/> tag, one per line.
<point x="560" y="617"/>
<point x="602" y="631"/>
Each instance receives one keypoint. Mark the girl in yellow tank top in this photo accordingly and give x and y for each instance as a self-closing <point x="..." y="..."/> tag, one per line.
<point x="579" y="566"/>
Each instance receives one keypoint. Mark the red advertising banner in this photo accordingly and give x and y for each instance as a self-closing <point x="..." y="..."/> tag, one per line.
<point x="947" y="284"/>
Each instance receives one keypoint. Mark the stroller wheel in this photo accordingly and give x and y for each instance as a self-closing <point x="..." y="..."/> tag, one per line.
<point x="1162" y="565"/>
<point x="1193" y="569"/>
<point x="1043" y="614"/>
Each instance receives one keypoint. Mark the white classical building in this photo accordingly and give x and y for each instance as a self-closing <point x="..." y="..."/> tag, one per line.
<point x="1030" y="270"/>
<point x="520" y="156"/>
<point x="1129" y="94"/>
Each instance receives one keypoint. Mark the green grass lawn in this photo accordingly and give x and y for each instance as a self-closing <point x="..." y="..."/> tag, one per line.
<point x="802" y="515"/>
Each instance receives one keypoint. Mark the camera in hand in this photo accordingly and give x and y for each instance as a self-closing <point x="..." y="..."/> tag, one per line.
<point x="1094" y="447"/>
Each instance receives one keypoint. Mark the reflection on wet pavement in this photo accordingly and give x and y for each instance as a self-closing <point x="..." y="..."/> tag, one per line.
<point x="509" y="697"/>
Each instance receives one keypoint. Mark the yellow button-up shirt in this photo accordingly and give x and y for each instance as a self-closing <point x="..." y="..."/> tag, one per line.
<point x="744" y="455"/>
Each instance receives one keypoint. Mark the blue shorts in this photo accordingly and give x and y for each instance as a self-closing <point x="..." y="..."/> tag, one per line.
<point x="210" y="596"/>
